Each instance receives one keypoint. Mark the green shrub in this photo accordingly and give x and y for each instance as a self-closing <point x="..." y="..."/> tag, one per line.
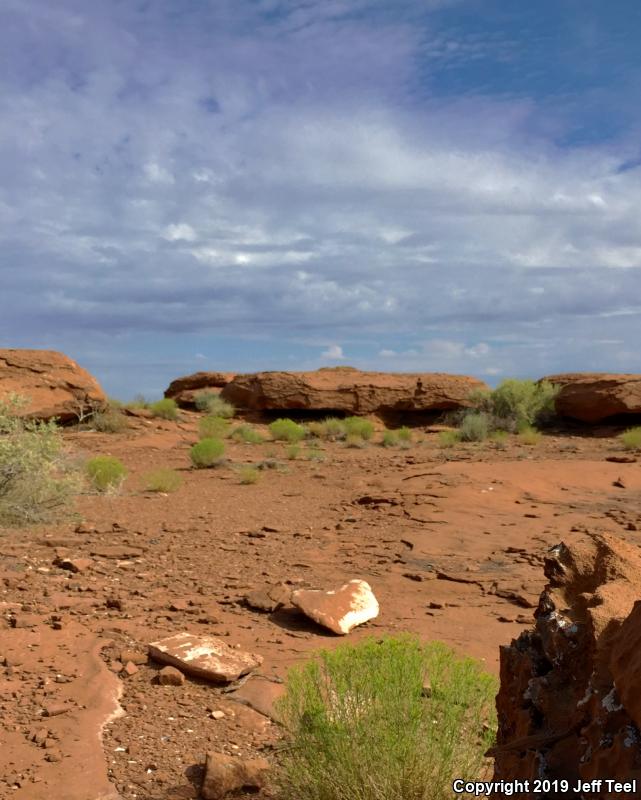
<point x="331" y="428"/>
<point x="499" y="438"/>
<point x="163" y="480"/>
<point x="358" y="426"/>
<point x="515" y="403"/>
<point x="475" y="427"/>
<point x="213" y="404"/>
<point x="37" y="478"/>
<point x="106" y="473"/>
<point x="207" y="453"/>
<point x="404" y="434"/>
<point x="286" y="430"/>
<point x="247" y="434"/>
<point x="214" y="428"/>
<point x="449" y="438"/>
<point x="354" y="440"/>
<point x="360" y="726"/>
<point x="390" y="439"/>
<point x="248" y="475"/>
<point x="529" y="436"/>
<point x="292" y="452"/>
<point x="631" y="439"/>
<point x="165" y="409"/>
<point x="108" y="420"/>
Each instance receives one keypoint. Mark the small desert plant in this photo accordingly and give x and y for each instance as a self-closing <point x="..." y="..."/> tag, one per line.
<point x="361" y="726"/>
<point x="314" y="453"/>
<point x="106" y="473"/>
<point x="631" y="439"/>
<point x="37" y="479"/>
<point x="355" y="441"/>
<point x="247" y="434"/>
<point x="248" y="475"/>
<point x="529" y="436"/>
<point x="292" y="452"/>
<point x="214" y="428"/>
<point x="449" y="438"/>
<point x="331" y="428"/>
<point x="475" y="427"/>
<point x="139" y="401"/>
<point x="404" y="434"/>
<point x="108" y="420"/>
<point x="286" y="430"/>
<point x="390" y="439"/>
<point x="163" y="480"/>
<point x="499" y="438"/>
<point x="165" y="408"/>
<point x="213" y="404"/>
<point x="206" y="453"/>
<point x="358" y="426"/>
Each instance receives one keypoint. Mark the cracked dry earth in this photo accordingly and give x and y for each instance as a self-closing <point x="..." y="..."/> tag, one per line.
<point x="451" y="541"/>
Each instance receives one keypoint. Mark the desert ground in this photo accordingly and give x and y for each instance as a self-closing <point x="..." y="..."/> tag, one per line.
<point x="451" y="540"/>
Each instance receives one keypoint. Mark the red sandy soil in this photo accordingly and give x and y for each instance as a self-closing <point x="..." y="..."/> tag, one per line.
<point x="451" y="541"/>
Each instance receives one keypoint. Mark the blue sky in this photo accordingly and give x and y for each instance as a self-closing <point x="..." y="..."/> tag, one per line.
<point x="262" y="184"/>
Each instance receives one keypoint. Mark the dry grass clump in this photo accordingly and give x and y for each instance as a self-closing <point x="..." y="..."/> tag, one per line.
<point x="248" y="475"/>
<point x="247" y="435"/>
<point x="166" y="408"/>
<point x="163" y="480"/>
<point x="214" y="405"/>
<point x="631" y="439"/>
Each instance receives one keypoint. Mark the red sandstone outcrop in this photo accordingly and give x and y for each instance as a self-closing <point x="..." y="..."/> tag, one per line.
<point x="594" y="396"/>
<point x="184" y="390"/>
<point x="54" y="384"/>
<point x="569" y="704"/>
<point x="351" y="391"/>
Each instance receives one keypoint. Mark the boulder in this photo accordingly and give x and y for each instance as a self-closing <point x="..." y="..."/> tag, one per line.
<point x="568" y="706"/>
<point x="594" y="396"/>
<point x="205" y="657"/>
<point x="338" y="610"/>
<point x="184" y="390"/>
<point x="55" y="386"/>
<point x="348" y="390"/>
<point x="226" y="774"/>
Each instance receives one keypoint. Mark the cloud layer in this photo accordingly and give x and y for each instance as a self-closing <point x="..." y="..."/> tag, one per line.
<point x="290" y="183"/>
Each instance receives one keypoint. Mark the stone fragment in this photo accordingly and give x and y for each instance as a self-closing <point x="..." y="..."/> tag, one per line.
<point x="170" y="676"/>
<point x="225" y="774"/>
<point x="130" y="668"/>
<point x="338" y="610"/>
<point x="75" y="564"/>
<point x="260" y="694"/>
<point x="269" y="599"/>
<point x="206" y="657"/>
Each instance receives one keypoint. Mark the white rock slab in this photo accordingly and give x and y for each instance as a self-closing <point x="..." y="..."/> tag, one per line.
<point x="339" y="610"/>
<point x="204" y="656"/>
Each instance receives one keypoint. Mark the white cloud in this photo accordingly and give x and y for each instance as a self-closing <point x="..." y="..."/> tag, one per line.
<point x="179" y="232"/>
<point x="333" y="352"/>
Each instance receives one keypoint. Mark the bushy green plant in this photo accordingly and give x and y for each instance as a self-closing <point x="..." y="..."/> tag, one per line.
<point x="165" y="408"/>
<point x="247" y="434"/>
<point x="404" y="434"/>
<point x="292" y="452"/>
<point x="353" y="440"/>
<point x="214" y="428"/>
<point x="213" y="404"/>
<point x="631" y="439"/>
<point x="163" y="480"/>
<point x="108" y="420"/>
<point x="360" y="725"/>
<point x="475" y="427"/>
<point x="449" y="438"/>
<point x="358" y="426"/>
<point x="248" y="475"/>
<point x="515" y="403"/>
<point x="106" y="473"/>
<point x="286" y="430"/>
<point x="389" y="439"/>
<point x="529" y="436"/>
<point x="206" y="453"/>
<point x="331" y="428"/>
<point x="37" y="478"/>
<point x="499" y="438"/>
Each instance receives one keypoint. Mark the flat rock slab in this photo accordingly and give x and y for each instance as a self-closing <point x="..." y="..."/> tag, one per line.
<point x="338" y="610"/>
<point x="205" y="657"/>
<point x="261" y="695"/>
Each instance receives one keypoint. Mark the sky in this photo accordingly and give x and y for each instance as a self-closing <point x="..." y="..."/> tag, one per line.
<point x="404" y="185"/>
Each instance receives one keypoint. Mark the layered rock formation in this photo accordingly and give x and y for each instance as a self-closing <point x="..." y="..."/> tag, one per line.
<point x="351" y="391"/>
<point x="569" y="705"/>
<point x="54" y="384"/>
<point x="184" y="390"/>
<point x="594" y="396"/>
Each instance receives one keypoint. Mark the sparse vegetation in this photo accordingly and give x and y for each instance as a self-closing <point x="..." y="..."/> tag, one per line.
<point x="207" y="453"/>
<point x="109" y="419"/>
<point x="631" y="439"/>
<point x="247" y="434"/>
<point x="390" y="439"/>
<point x="286" y="430"/>
<point x="331" y="428"/>
<point x="248" y="475"/>
<point x="404" y="434"/>
<point x="529" y="436"/>
<point x="292" y="452"/>
<point x="37" y="478"/>
<point x="361" y="727"/>
<point x="449" y="438"/>
<point x="358" y="426"/>
<point x="515" y="403"/>
<point x="210" y="427"/>
<point x="106" y="473"/>
<point x="165" y="409"/>
<point x="354" y="440"/>
<point x="314" y="453"/>
<point x="214" y="405"/>
<point x="499" y="438"/>
<point x="163" y="480"/>
<point x="475" y="427"/>
<point x="139" y="401"/>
